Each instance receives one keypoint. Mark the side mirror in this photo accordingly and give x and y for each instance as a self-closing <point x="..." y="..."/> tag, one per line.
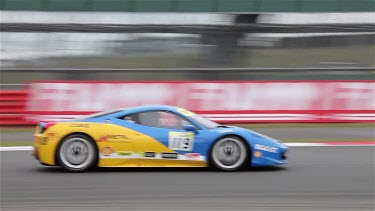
<point x="191" y="128"/>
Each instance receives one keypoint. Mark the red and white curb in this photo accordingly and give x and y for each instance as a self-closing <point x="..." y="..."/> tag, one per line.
<point x="294" y="144"/>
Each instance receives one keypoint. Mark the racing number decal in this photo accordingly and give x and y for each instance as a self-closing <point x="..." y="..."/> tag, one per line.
<point x="182" y="141"/>
<point x="185" y="112"/>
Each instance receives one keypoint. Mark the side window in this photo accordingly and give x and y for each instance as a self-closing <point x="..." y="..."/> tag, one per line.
<point x="132" y="118"/>
<point x="158" y="119"/>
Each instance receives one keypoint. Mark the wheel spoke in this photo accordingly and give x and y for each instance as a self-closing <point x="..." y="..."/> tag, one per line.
<point x="76" y="153"/>
<point x="229" y="153"/>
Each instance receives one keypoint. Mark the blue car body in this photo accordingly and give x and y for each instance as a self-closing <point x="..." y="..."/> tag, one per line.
<point x="264" y="150"/>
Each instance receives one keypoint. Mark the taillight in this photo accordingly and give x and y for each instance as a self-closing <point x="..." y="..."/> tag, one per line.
<point x="44" y="126"/>
<point x="38" y="129"/>
<point x="50" y="124"/>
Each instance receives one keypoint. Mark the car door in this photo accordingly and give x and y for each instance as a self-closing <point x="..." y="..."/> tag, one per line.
<point x="115" y="145"/>
<point x="165" y="139"/>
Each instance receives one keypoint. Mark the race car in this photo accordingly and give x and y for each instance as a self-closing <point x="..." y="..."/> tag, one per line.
<point x="152" y="136"/>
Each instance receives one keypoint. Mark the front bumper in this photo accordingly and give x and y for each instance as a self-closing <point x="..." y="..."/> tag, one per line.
<point x="270" y="159"/>
<point x="266" y="161"/>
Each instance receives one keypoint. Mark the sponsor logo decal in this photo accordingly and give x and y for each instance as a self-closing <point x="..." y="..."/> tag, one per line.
<point x="169" y="155"/>
<point x="117" y="137"/>
<point x="125" y="153"/>
<point x="193" y="156"/>
<point x="112" y="138"/>
<point x="79" y="125"/>
<point x="225" y="130"/>
<point x="265" y="148"/>
<point x="107" y="151"/>
<point x="149" y="154"/>
<point x="182" y="141"/>
<point x="102" y="139"/>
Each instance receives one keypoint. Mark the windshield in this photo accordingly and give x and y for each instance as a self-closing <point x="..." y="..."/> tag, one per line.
<point x="205" y="122"/>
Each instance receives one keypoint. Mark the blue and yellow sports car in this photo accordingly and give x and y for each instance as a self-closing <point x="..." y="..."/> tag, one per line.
<point x="152" y="136"/>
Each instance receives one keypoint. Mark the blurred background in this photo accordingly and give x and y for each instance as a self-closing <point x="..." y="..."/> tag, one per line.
<point x="131" y="34"/>
<point x="297" y="70"/>
<point x="183" y="40"/>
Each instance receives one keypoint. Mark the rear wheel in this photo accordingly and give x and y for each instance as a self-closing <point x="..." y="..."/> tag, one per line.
<point x="77" y="153"/>
<point x="229" y="154"/>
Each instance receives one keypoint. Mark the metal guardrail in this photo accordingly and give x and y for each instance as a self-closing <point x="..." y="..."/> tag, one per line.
<point x="223" y="6"/>
<point x="20" y="75"/>
<point x="190" y="70"/>
<point x="190" y="29"/>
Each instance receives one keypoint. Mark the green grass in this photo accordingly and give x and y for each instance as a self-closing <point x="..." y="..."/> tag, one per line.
<point x="16" y="143"/>
<point x="154" y="61"/>
<point x="288" y="57"/>
<point x="300" y="57"/>
<point x="255" y="57"/>
<point x="16" y="129"/>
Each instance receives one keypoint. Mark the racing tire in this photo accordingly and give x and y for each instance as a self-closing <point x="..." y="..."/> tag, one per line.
<point x="77" y="153"/>
<point x="229" y="153"/>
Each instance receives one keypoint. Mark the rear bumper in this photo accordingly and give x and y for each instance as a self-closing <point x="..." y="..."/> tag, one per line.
<point x="37" y="142"/>
<point x="35" y="153"/>
<point x="44" y="149"/>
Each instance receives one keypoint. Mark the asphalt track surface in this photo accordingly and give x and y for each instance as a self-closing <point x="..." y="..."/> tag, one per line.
<point x="317" y="178"/>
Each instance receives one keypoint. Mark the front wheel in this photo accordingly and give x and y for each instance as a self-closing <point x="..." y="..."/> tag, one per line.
<point x="229" y="154"/>
<point x="77" y="153"/>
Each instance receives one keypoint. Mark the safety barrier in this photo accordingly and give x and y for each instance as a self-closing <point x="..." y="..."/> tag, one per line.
<point x="221" y="101"/>
<point x="12" y="108"/>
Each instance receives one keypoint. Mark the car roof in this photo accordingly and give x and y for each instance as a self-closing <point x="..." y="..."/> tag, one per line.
<point x="129" y="110"/>
<point x="149" y="108"/>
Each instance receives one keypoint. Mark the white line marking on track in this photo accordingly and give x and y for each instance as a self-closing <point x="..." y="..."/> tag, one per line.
<point x="22" y="148"/>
